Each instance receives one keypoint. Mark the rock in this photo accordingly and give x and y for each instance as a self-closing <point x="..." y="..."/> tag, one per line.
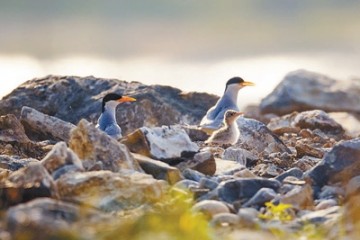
<point x="92" y="146"/>
<point x="44" y="218"/>
<point x="283" y="124"/>
<point x="245" y="234"/>
<point x="350" y="122"/>
<point x="193" y="174"/>
<point x="300" y="197"/>
<point x="210" y="208"/>
<point x="267" y="170"/>
<point x="159" y="170"/>
<point x="26" y="184"/>
<point x="330" y="192"/>
<point x="59" y="156"/>
<point x="307" y="150"/>
<point x="240" y="155"/>
<point x="248" y="216"/>
<point x="325" y="204"/>
<point x="187" y="184"/>
<point x="318" y="119"/>
<point x="352" y="187"/>
<point x="256" y="137"/>
<point x="166" y="143"/>
<point x="66" y="169"/>
<point x="306" y="163"/>
<point x="13" y="164"/>
<point x="54" y="96"/>
<point x="295" y="172"/>
<point x="195" y="133"/>
<point x="243" y="189"/>
<point x="302" y="90"/>
<point x="260" y="198"/>
<point x="338" y="165"/>
<point x="208" y="183"/>
<point x="245" y="173"/>
<point x="225" y="220"/>
<point x="321" y="216"/>
<point x="227" y="167"/>
<point x="203" y="162"/>
<point x="110" y="191"/>
<point x="42" y="126"/>
<point x="11" y="130"/>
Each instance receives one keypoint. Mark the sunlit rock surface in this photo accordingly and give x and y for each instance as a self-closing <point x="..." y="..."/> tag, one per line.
<point x="303" y="90"/>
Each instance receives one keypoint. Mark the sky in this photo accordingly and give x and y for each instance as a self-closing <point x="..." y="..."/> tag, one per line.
<point x="192" y="45"/>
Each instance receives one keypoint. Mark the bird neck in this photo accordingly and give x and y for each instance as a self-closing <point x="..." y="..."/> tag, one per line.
<point x="110" y="111"/>
<point x="232" y="92"/>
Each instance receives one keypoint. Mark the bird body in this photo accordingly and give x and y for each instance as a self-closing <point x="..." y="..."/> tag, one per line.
<point x="107" y="120"/>
<point x="229" y="133"/>
<point x="213" y="119"/>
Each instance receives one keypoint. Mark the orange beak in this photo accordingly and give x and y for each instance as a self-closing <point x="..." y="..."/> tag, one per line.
<point x="247" y="84"/>
<point x="126" y="99"/>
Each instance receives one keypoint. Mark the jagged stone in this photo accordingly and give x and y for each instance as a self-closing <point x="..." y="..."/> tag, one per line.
<point x="43" y="126"/>
<point x="295" y="172"/>
<point x="110" y="191"/>
<point x="13" y="164"/>
<point x="203" y="162"/>
<point x="283" y="124"/>
<point x="256" y="137"/>
<point x="26" y="184"/>
<point x="339" y="165"/>
<point x="300" y="197"/>
<point x="11" y="130"/>
<point x="59" y="156"/>
<point x="158" y="169"/>
<point x="260" y="198"/>
<point x="166" y="143"/>
<point x="240" y="155"/>
<point x="92" y="146"/>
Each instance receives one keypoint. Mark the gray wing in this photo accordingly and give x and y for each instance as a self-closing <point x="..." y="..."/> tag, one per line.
<point x="215" y="115"/>
<point x="113" y="130"/>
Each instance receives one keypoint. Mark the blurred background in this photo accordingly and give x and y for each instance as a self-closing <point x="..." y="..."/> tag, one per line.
<point x="192" y="45"/>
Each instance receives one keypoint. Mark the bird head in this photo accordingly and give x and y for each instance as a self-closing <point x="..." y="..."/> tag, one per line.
<point x="238" y="83"/>
<point x="111" y="100"/>
<point x="231" y="115"/>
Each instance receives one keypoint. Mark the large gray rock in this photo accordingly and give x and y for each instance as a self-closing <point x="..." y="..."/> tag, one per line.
<point x="256" y="137"/>
<point x="96" y="147"/>
<point x="339" y="165"/>
<point x="166" y="143"/>
<point x="302" y="90"/>
<point x="110" y="191"/>
<point x="72" y="98"/>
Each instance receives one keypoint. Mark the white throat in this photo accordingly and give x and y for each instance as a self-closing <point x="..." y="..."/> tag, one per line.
<point x="232" y="92"/>
<point x="110" y="107"/>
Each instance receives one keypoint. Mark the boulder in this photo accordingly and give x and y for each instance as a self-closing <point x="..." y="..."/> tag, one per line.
<point x="92" y="145"/>
<point x="242" y="156"/>
<point x="294" y="172"/>
<point x="243" y="189"/>
<point x="110" y="191"/>
<point x="72" y="98"/>
<point x="257" y="138"/>
<point x="299" y="197"/>
<point x="322" y="216"/>
<point x="339" y="165"/>
<point x="167" y="143"/>
<point x="303" y="90"/>
<point x="260" y="198"/>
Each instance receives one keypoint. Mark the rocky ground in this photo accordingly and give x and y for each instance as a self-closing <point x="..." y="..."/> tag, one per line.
<point x="294" y="173"/>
